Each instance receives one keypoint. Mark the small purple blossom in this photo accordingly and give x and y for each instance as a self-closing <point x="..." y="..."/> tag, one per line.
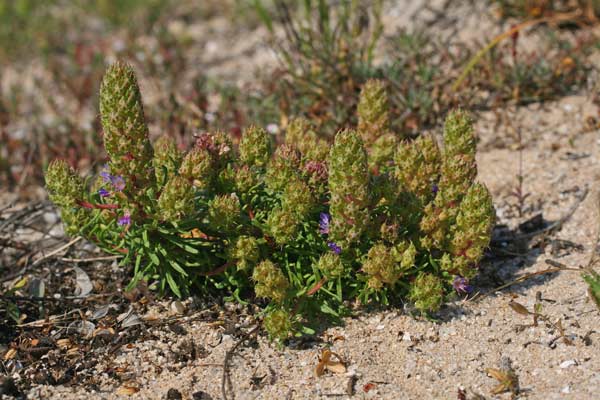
<point x="334" y="247"/>
<point x="324" y="221"/>
<point x="103" y="192"/>
<point x="461" y="285"/>
<point x="105" y="174"/>
<point x="118" y="183"/>
<point x="434" y="189"/>
<point x="124" y="220"/>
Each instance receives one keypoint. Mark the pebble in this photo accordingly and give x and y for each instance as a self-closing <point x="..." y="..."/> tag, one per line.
<point x="50" y="218"/>
<point x="177" y="307"/>
<point x="568" y="363"/>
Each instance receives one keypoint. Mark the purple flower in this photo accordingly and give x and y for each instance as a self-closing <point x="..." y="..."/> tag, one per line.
<point x="106" y="175"/>
<point x="461" y="285"/>
<point x="124" y="220"/>
<point x="334" y="247"/>
<point x="324" y="221"/>
<point x="118" y="183"/>
<point x="103" y="192"/>
<point x="434" y="188"/>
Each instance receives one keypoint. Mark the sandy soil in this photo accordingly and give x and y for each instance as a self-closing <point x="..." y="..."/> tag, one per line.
<point x="392" y="355"/>
<point x="388" y="353"/>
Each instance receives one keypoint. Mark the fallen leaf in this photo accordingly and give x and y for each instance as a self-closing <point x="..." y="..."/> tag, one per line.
<point x="126" y="390"/>
<point x="10" y="354"/>
<point x="84" y="284"/>
<point x="508" y="380"/>
<point x="129" y="318"/>
<point x="369" y="386"/>
<point x="326" y="363"/>
<point x="519" y="308"/>
<point x="37" y="288"/>
<point x="85" y="328"/>
<point x="63" y="343"/>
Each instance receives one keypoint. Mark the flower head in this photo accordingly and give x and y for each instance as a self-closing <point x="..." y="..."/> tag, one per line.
<point x="103" y="192"/>
<point x="324" y="220"/>
<point x="461" y="285"/>
<point x="106" y="175"/>
<point x="334" y="247"/>
<point x="118" y="183"/>
<point x="124" y="220"/>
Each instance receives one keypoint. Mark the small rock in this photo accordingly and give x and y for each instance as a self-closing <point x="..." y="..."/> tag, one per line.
<point x="200" y="395"/>
<point x="568" y="363"/>
<point x="50" y="218"/>
<point x="177" y="307"/>
<point x="380" y="327"/>
<point x="8" y="387"/>
<point x="173" y="394"/>
<point x="566" y="389"/>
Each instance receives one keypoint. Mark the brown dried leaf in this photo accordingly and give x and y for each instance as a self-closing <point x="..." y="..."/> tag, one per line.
<point x="73" y="352"/>
<point x="519" y="308"/>
<point x="325" y="363"/>
<point x="336" y="367"/>
<point x="63" y="343"/>
<point x="127" y="390"/>
<point x="508" y="381"/>
<point x="10" y="354"/>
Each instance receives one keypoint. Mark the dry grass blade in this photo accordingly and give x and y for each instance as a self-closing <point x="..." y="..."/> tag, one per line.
<point x="494" y="42"/>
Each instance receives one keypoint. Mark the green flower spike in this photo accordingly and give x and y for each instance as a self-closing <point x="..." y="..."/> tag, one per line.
<point x="298" y="198"/>
<point x="224" y="212"/>
<point x="301" y="135"/>
<point x="372" y="109"/>
<point x="197" y="167"/>
<point x="125" y="131"/>
<point x="472" y="231"/>
<point x="458" y="173"/>
<point x="381" y="267"/>
<point x="255" y="147"/>
<point x="271" y="283"/>
<point x="245" y="252"/>
<point x="167" y="159"/>
<point x="176" y="201"/>
<point x="65" y="187"/>
<point x="459" y="167"/>
<point x="245" y="179"/>
<point x="330" y="265"/>
<point x="278" y="324"/>
<point x="418" y="167"/>
<point x="427" y="292"/>
<point x="349" y="188"/>
<point x="283" y="168"/>
<point x="282" y="225"/>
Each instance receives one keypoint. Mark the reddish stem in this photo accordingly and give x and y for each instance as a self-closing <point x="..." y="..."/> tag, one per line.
<point x="86" y="204"/>
<point x="317" y="286"/>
